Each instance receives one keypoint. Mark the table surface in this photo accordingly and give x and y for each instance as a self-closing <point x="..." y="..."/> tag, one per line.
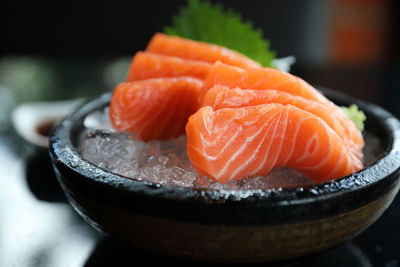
<point x="38" y="227"/>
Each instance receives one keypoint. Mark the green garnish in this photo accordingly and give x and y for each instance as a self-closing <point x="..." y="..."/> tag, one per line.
<point x="205" y="22"/>
<point x="202" y="21"/>
<point x="356" y="115"/>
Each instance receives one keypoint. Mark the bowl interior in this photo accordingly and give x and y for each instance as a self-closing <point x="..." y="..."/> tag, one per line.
<point x="334" y="196"/>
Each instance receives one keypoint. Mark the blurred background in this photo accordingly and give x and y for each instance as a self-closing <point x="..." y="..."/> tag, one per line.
<point x="75" y="49"/>
<point x="78" y="49"/>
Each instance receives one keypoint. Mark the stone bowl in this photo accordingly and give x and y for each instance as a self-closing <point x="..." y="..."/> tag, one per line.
<point x="272" y="225"/>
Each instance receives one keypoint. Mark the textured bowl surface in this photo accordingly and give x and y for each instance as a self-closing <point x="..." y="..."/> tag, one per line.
<point x="229" y="226"/>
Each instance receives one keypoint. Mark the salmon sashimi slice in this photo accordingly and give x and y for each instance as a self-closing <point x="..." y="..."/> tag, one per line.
<point x="260" y="79"/>
<point x="146" y="65"/>
<point x="155" y="108"/>
<point x="269" y="78"/>
<point x="221" y="96"/>
<point x="235" y="143"/>
<point x="190" y="49"/>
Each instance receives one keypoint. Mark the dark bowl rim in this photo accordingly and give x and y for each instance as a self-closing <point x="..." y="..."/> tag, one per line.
<point x="63" y="152"/>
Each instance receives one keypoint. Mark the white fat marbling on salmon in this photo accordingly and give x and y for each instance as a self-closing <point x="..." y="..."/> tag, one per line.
<point x="261" y="143"/>
<point x="271" y="141"/>
<point x="244" y="146"/>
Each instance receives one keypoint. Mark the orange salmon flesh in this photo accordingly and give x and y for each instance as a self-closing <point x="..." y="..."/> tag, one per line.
<point x="240" y="119"/>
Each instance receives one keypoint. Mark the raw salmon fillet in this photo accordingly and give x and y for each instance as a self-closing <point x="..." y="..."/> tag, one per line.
<point x="220" y="96"/>
<point x="234" y="143"/>
<point x="155" y="108"/>
<point x="146" y="65"/>
<point x="269" y="78"/>
<point x="260" y="79"/>
<point x="189" y="49"/>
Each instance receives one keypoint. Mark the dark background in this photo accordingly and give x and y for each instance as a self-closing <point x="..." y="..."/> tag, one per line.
<point x="112" y="28"/>
<point x="68" y="49"/>
<point x="347" y="45"/>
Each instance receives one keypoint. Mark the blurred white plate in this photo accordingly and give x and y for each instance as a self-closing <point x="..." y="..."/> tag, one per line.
<point x="34" y="120"/>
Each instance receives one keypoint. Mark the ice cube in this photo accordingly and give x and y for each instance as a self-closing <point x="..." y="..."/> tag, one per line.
<point x="98" y="120"/>
<point x="166" y="162"/>
<point x="111" y="150"/>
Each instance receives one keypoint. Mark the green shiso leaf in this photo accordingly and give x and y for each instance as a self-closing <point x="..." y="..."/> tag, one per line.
<point x="205" y="22"/>
<point x="202" y="21"/>
<point x="356" y="115"/>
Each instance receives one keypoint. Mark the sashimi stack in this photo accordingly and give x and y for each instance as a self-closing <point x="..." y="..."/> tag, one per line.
<point x="241" y="119"/>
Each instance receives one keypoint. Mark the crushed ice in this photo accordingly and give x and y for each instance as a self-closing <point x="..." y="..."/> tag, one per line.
<point x="166" y="162"/>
